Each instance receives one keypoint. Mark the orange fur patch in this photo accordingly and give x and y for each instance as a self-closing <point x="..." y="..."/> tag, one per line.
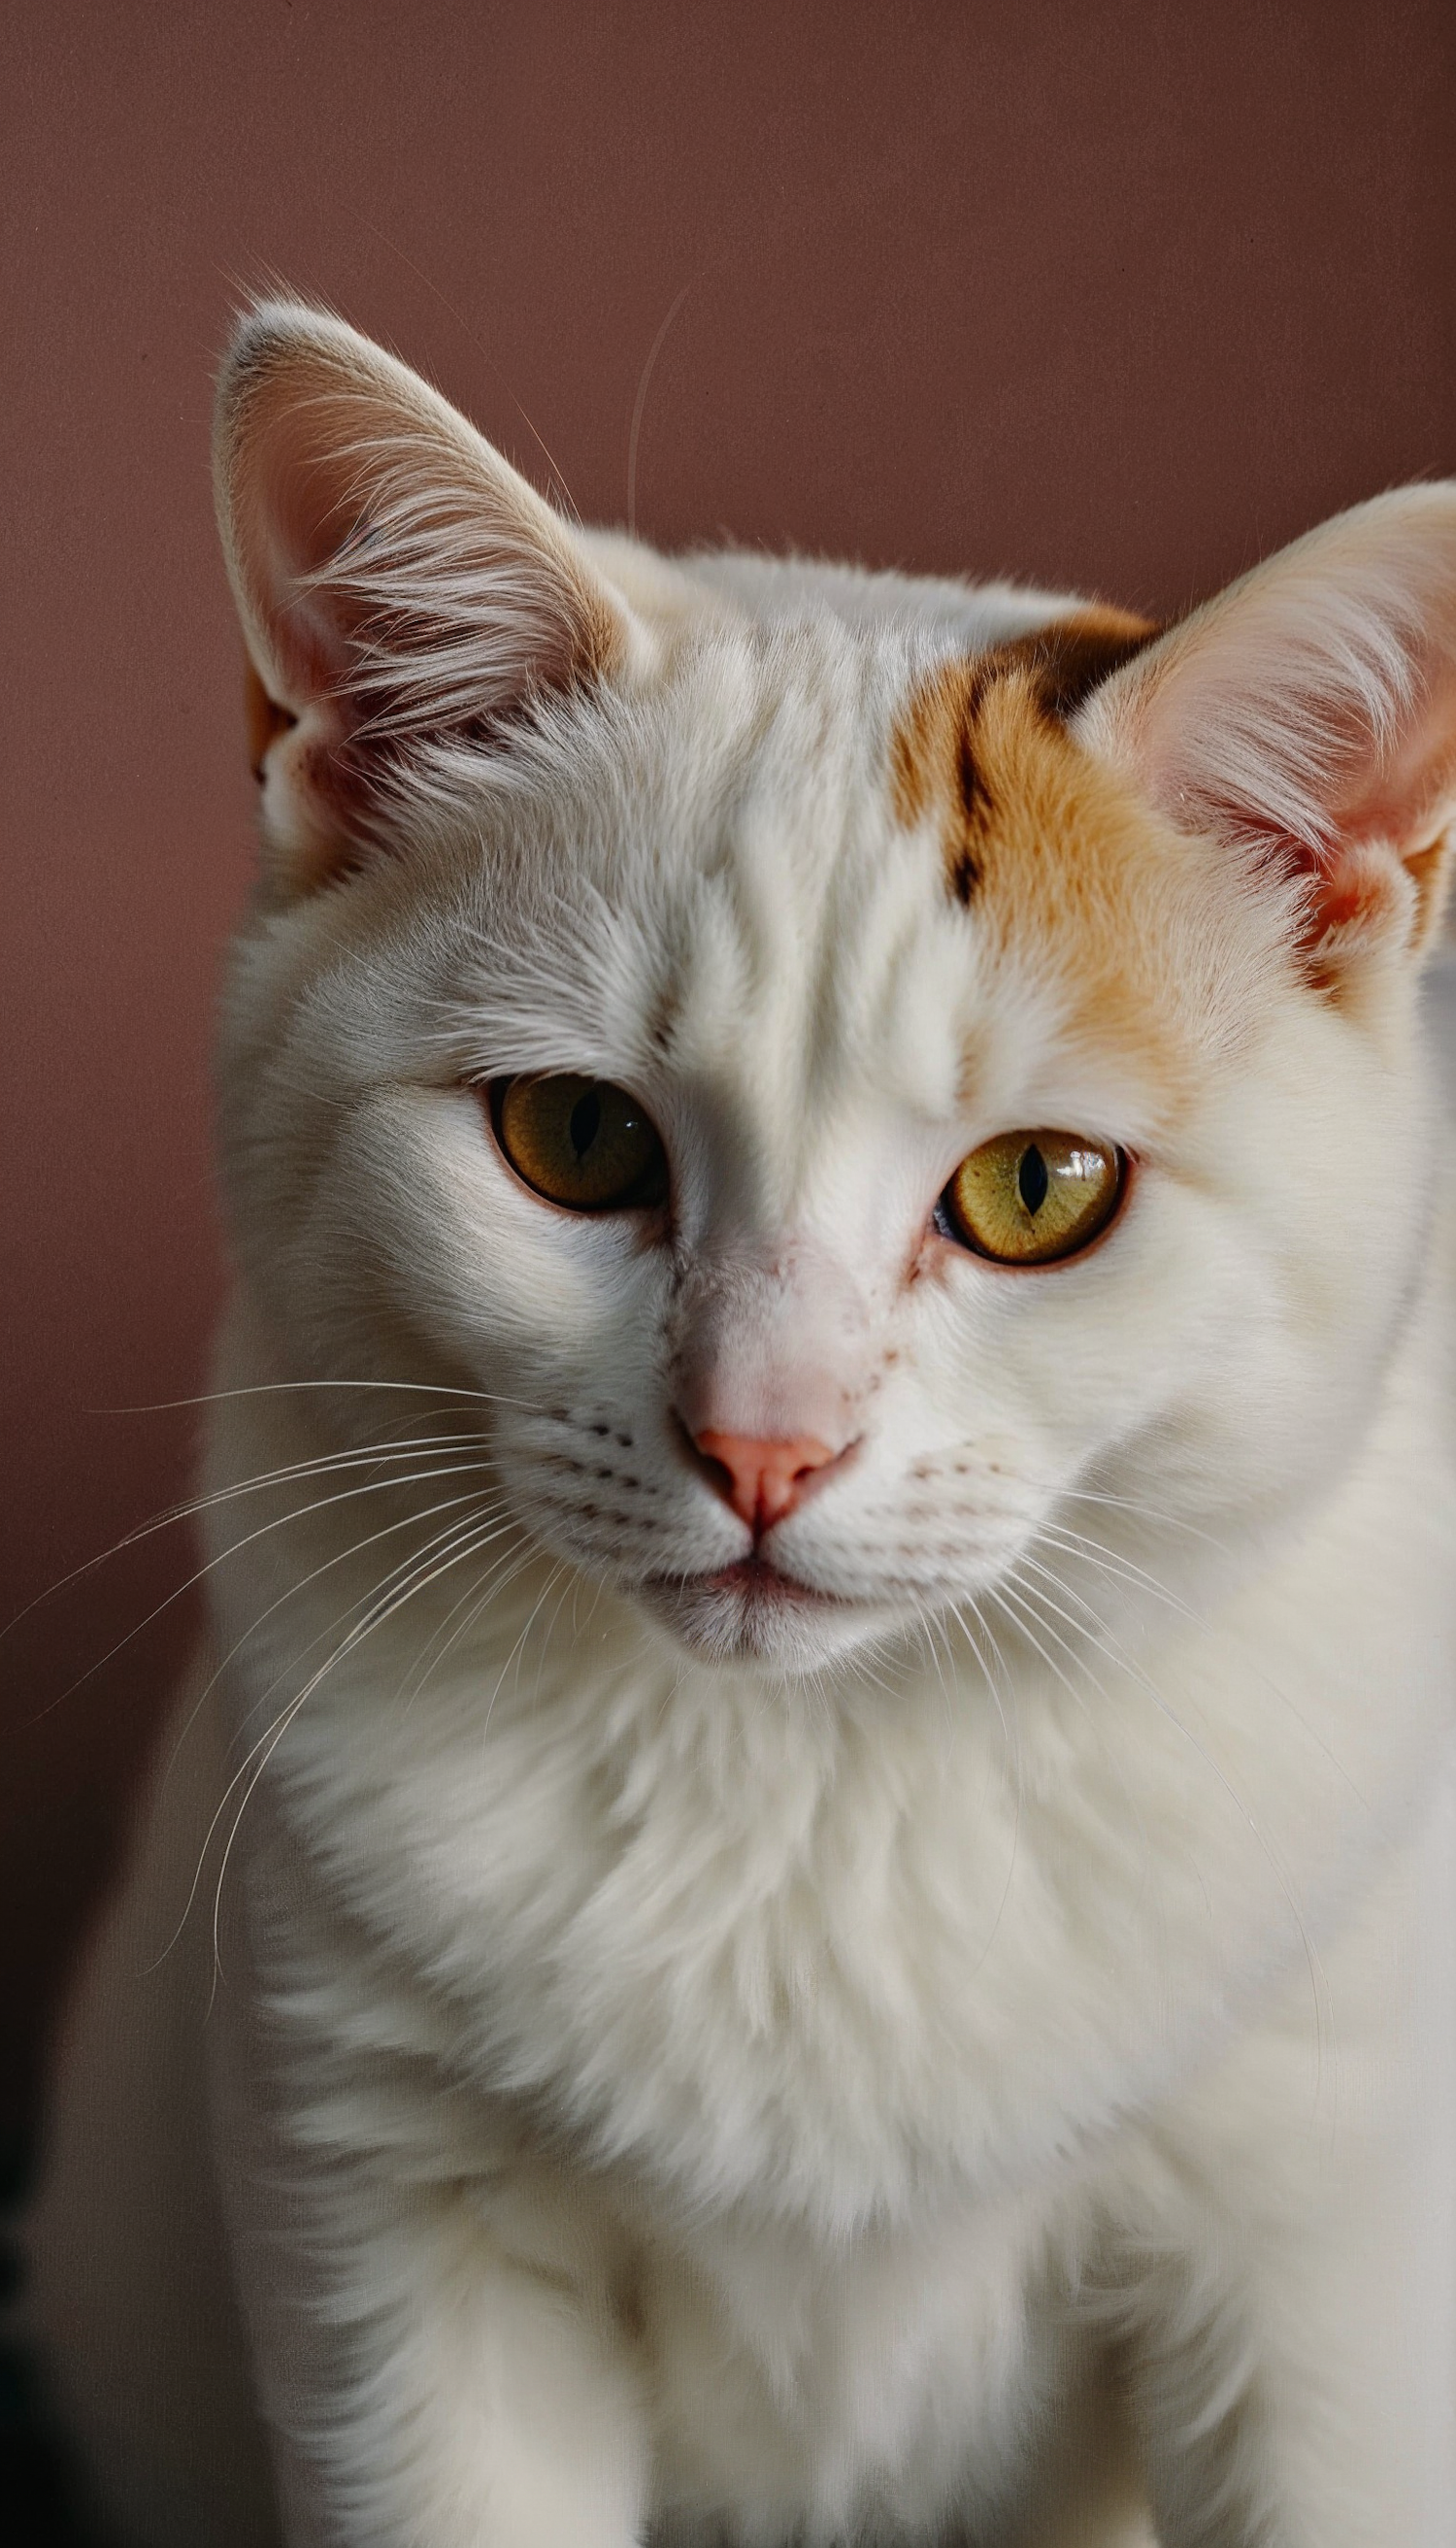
<point x="935" y="751"/>
<point x="1057" y="852"/>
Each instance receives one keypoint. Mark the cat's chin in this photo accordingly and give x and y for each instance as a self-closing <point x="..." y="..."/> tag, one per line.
<point x="750" y="1612"/>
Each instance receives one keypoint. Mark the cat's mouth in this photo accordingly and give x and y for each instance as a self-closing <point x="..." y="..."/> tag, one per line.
<point x="757" y="1578"/>
<point x="752" y="1608"/>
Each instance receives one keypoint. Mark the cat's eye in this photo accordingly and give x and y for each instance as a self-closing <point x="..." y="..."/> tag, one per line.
<point x="581" y="1142"/>
<point x="1028" y="1198"/>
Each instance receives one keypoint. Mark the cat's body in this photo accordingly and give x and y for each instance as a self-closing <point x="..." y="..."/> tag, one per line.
<point x="934" y="2021"/>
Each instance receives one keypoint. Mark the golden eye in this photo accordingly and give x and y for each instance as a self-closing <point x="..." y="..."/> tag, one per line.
<point x="581" y="1142"/>
<point x="1027" y="1197"/>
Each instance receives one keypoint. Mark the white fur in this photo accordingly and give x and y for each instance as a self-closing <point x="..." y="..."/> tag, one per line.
<point x="970" y="2064"/>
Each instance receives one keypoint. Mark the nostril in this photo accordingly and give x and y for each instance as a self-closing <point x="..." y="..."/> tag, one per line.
<point x="717" y="1470"/>
<point x="762" y="1478"/>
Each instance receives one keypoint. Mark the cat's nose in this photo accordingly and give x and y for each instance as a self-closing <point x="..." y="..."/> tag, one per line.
<point x="761" y="1480"/>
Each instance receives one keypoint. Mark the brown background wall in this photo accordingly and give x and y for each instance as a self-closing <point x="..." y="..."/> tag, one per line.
<point x="1110" y="293"/>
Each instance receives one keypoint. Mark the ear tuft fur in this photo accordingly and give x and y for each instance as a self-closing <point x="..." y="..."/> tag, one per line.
<point x="401" y="589"/>
<point x="1309" y="714"/>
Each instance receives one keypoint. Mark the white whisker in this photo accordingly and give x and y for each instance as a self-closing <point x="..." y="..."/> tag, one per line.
<point x="438" y="1540"/>
<point x="1017" y="1604"/>
<point x="355" y="1548"/>
<point x="1108" y="1645"/>
<point x="268" y="1744"/>
<point x="1013" y="1749"/>
<point x="280" y="1522"/>
<point x="192" y="1506"/>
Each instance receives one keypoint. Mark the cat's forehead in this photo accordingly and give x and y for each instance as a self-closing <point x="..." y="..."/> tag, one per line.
<point x="849" y="853"/>
<point x="814" y="871"/>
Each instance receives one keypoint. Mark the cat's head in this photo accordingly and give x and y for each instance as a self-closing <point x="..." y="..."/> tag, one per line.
<point x="872" y="1101"/>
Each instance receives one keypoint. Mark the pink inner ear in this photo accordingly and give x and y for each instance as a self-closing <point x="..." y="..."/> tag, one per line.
<point x="1366" y="817"/>
<point x="1387" y="845"/>
<point x="1362" y="892"/>
<point x="1414" y="786"/>
<point x="1310" y="713"/>
<point x="293" y="515"/>
<point x="1351" y="888"/>
<point x="404" y="592"/>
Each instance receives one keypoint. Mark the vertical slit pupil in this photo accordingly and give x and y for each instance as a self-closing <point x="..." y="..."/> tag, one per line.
<point x="586" y="1123"/>
<point x="1032" y="1179"/>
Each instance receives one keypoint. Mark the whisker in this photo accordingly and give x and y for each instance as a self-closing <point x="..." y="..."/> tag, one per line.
<point x="930" y="1628"/>
<point x="268" y="1744"/>
<point x="1108" y="1561"/>
<point x="516" y="1648"/>
<point x="273" y="1388"/>
<point x="192" y="1506"/>
<point x="1012" y="1747"/>
<point x="1022" y="1614"/>
<point x="638" y="404"/>
<point x="1162" y="1519"/>
<point x="1111" y="1562"/>
<point x="280" y="1522"/>
<point x="460" y="1540"/>
<point x="437" y="1541"/>
<point x="355" y="1548"/>
<point x="425" y="1665"/>
<point x="478" y="1515"/>
<point x="1107" y="1643"/>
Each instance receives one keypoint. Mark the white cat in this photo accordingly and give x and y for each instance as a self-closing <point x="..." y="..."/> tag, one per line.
<point x="831" y="1524"/>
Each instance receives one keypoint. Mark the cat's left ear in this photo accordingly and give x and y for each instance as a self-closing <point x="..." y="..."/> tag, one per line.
<point x="1308" y="713"/>
<point x="403" y="592"/>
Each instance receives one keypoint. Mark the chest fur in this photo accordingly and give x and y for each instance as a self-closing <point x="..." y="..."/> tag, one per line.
<point x="820" y="1970"/>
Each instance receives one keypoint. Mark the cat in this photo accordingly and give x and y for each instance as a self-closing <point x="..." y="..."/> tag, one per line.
<point x="814" y="1857"/>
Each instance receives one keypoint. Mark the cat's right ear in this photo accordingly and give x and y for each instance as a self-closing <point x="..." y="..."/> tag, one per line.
<point x="403" y="591"/>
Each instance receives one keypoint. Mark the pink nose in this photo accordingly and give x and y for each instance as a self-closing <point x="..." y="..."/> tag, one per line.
<point x="762" y="1480"/>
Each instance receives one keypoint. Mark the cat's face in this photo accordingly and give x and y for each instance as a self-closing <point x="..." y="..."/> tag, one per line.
<point x="714" y="903"/>
<point x="811" y="917"/>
